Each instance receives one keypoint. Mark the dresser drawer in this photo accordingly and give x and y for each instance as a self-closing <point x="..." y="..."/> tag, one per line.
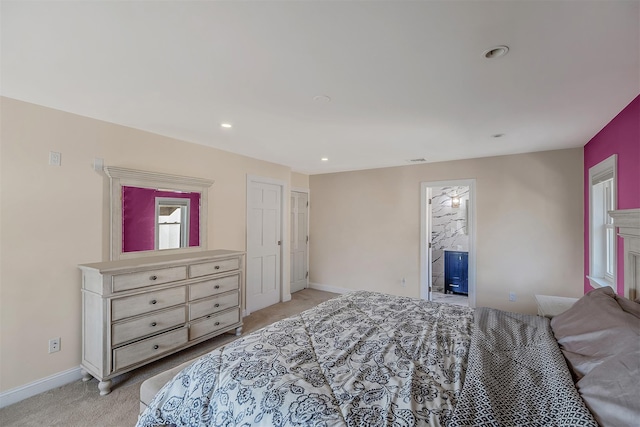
<point x="206" y="268"/>
<point x="151" y="301"/>
<point x="147" y="325"/>
<point x="123" y="282"/>
<point x="214" y="323"/>
<point x="213" y="305"/>
<point x="146" y="349"/>
<point x="214" y="287"/>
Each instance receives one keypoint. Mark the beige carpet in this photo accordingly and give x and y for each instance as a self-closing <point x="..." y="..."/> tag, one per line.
<point x="79" y="403"/>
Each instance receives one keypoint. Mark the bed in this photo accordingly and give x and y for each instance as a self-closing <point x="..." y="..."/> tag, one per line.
<point x="371" y="359"/>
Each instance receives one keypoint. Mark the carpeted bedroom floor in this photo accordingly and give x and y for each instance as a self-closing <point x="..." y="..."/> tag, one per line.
<point x="79" y="404"/>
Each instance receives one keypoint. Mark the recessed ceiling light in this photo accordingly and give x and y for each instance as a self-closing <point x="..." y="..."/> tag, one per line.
<point x="322" y="98"/>
<point x="226" y="125"/>
<point x="496" y="52"/>
<point x="325" y="159"/>
<point x="497" y="135"/>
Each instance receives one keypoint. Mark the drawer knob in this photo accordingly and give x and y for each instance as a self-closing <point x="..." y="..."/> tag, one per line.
<point x="155" y="347"/>
<point x="153" y="324"/>
<point x="216" y="287"/>
<point x="217" y="323"/>
<point x="154" y="277"/>
<point x="216" y="305"/>
<point x="217" y="267"/>
<point x="154" y="301"/>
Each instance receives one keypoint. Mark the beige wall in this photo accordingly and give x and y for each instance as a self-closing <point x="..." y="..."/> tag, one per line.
<point x="299" y="180"/>
<point x="365" y="226"/>
<point x="54" y="218"/>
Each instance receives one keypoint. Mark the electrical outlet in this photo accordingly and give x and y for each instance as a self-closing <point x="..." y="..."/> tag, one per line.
<point x="54" y="345"/>
<point x="512" y="296"/>
<point x="55" y="158"/>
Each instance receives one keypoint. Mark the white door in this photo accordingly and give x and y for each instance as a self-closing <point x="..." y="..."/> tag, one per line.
<point x="299" y="240"/>
<point x="263" y="244"/>
<point x="429" y="247"/>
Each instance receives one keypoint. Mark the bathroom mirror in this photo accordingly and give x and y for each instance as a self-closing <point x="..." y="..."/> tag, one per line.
<point x="153" y="213"/>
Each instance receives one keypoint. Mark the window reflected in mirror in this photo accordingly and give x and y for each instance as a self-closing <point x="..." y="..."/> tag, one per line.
<point x="154" y="219"/>
<point x="172" y="223"/>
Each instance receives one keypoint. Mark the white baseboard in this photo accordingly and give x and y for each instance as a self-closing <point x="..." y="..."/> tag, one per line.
<point x="15" y="395"/>
<point x="329" y="288"/>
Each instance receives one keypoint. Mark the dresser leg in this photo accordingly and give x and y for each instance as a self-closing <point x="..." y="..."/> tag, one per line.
<point x="104" y="387"/>
<point x="86" y="376"/>
<point x="239" y="331"/>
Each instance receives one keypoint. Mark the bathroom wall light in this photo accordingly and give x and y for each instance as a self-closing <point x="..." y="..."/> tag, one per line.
<point x="455" y="202"/>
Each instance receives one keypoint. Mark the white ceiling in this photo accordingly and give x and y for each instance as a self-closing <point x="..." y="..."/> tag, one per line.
<point x="406" y="79"/>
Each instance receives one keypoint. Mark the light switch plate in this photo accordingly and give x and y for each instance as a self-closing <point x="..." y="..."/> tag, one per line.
<point x="55" y="158"/>
<point x="98" y="164"/>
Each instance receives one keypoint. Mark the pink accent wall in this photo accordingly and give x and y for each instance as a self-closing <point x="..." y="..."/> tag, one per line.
<point x="622" y="137"/>
<point x="138" y="217"/>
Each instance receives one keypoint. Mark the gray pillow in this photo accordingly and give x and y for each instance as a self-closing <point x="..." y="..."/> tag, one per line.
<point x="600" y="339"/>
<point x="632" y="307"/>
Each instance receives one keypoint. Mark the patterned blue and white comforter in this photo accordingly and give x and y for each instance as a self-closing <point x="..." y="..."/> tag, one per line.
<point x="369" y="359"/>
<point x="362" y="359"/>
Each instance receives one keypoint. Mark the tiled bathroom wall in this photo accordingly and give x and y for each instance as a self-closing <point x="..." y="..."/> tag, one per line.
<point x="448" y="228"/>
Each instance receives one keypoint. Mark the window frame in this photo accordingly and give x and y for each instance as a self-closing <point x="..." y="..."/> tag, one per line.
<point x="184" y="205"/>
<point x="599" y="212"/>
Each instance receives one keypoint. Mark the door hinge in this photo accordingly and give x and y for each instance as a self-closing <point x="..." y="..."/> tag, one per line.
<point x="307" y="276"/>
<point x="429" y="245"/>
<point x="279" y="242"/>
<point x="307" y="204"/>
<point x="429" y="201"/>
<point x="307" y="239"/>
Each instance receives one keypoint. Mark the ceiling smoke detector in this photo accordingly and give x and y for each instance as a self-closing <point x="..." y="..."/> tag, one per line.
<point x="323" y="99"/>
<point x="496" y="52"/>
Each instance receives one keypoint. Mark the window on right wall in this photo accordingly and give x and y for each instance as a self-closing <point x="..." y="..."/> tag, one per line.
<point x="602" y="235"/>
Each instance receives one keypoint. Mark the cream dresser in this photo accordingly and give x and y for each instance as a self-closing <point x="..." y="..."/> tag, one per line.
<point x="135" y="311"/>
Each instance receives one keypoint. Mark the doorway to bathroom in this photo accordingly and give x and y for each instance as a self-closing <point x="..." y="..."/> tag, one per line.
<point x="447" y="243"/>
